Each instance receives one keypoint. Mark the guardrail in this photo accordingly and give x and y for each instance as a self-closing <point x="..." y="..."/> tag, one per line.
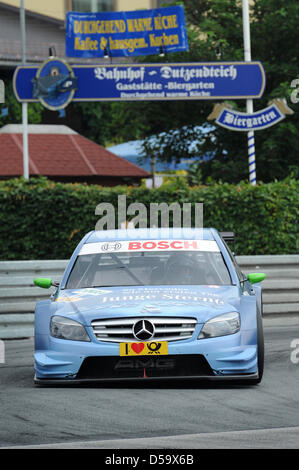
<point x="18" y="295"/>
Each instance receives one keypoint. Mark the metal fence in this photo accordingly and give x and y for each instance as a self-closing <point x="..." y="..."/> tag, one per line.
<point x="18" y="295"/>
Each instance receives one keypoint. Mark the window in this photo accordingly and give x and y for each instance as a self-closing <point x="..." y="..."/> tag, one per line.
<point x="149" y="268"/>
<point x="92" y="5"/>
<point x="236" y="266"/>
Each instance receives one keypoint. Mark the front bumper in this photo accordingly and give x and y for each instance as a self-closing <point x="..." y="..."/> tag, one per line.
<point x="224" y="378"/>
<point x="232" y="357"/>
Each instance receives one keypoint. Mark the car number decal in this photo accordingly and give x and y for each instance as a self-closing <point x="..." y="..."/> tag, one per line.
<point x="151" y="348"/>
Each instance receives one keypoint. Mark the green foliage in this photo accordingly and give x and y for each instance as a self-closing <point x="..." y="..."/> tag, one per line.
<point x="216" y="25"/>
<point x="95" y="120"/>
<point x="14" y="109"/>
<point x="274" y="43"/>
<point x="215" y="32"/>
<point x="40" y="219"/>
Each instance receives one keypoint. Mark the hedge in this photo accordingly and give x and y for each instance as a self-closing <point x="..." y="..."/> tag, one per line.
<point x="40" y="219"/>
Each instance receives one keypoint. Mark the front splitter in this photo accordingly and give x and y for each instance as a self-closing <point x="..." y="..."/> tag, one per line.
<point x="214" y="378"/>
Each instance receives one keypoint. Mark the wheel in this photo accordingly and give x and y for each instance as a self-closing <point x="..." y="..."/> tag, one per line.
<point x="260" y="352"/>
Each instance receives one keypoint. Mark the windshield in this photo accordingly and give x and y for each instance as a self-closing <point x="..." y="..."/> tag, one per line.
<point x="149" y="268"/>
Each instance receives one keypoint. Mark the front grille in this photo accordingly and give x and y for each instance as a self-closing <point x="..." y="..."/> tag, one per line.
<point x="118" y="330"/>
<point x="116" y="367"/>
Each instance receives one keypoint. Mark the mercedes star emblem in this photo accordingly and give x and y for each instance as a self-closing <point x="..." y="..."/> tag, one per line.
<point x="143" y="330"/>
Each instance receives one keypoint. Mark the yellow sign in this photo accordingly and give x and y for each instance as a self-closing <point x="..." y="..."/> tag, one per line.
<point x="151" y="348"/>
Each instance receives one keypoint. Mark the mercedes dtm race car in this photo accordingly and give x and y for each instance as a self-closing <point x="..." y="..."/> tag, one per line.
<point x="144" y="307"/>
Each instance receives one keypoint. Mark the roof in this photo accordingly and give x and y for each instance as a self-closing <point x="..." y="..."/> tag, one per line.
<point x="133" y="152"/>
<point x="60" y="151"/>
<point x="151" y="234"/>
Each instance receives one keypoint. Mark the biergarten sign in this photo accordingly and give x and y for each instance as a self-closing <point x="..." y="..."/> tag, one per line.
<point x="239" y="121"/>
<point x="133" y="82"/>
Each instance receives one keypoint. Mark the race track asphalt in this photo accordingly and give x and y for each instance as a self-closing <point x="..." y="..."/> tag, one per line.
<point x="146" y="415"/>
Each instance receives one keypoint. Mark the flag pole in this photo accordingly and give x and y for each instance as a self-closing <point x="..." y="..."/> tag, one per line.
<point x="249" y="103"/>
<point x="24" y="104"/>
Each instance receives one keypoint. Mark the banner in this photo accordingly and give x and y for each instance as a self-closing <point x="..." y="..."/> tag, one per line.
<point x="239" y="121"/>
<point x="148" y="245"/>
<point x="131" y="33"/>
<point x="133" y="82"/>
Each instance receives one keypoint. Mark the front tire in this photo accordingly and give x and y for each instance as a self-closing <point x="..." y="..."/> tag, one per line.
<point x="260" y="351"/>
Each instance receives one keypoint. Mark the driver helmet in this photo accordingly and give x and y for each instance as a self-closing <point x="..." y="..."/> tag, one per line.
<point x="181" y="268"/>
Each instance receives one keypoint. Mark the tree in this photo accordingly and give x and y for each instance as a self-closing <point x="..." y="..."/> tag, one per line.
<point x="11" y="110"/>
<point x="275" y="43"/>
<point x="173" y="130"/>
<point x="216" y="26"/>
<point x="93" y="120"/>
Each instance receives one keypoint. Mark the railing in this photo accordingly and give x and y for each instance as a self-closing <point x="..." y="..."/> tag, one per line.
<point x="11" y="51"/>
<point x="18" y="295"/>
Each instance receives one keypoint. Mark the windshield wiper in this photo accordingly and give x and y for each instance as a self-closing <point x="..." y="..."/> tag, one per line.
<point x="101" y="286"/>
<point x="122" y="265"/>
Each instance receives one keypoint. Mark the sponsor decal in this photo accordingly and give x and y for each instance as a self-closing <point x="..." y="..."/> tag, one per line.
<point x="82" y="294"/>
<point x="111" y="247"/>
<point x="91" y="291"/>
<point x="149" y="245"/>
<point x="152" y="348"/>
<point x="148" y="363"/>
<point x="159" y="297"/>
<point x="73" y="298"/>
<point x="150" y="309"/>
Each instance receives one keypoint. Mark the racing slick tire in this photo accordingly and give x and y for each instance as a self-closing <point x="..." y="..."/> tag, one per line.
<point x="260" y="352"/>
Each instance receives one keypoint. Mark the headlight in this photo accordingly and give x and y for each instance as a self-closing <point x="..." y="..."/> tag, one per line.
<point x="65" y="328"/>
<point x="222" y="325"/>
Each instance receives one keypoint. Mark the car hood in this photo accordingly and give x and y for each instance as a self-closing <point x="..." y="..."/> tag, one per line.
<point x="200" y="302"/>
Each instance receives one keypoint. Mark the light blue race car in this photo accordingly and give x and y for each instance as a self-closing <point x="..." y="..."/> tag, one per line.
<point x="151" y="304"/>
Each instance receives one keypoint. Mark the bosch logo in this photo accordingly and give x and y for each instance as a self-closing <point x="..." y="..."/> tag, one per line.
<point x="111" y="246"/>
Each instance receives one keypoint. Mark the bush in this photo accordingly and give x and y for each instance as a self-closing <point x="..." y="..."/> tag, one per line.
<point x="40" y="219"/>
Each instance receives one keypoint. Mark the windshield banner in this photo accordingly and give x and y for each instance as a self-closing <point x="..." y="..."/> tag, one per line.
<point x="149" y="245"/>
<point x="132" y="33"/>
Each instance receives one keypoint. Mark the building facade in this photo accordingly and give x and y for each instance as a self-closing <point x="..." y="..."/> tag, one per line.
<point x="45" y="25"/>
<point x="58" y="8"/>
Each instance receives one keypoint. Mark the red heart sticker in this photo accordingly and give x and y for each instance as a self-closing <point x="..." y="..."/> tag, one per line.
<point x="137" y="347"/>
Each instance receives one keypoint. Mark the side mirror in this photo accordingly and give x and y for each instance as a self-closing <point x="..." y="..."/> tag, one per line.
<point x="44" y="282"/>
<point x="253" y="278"/>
